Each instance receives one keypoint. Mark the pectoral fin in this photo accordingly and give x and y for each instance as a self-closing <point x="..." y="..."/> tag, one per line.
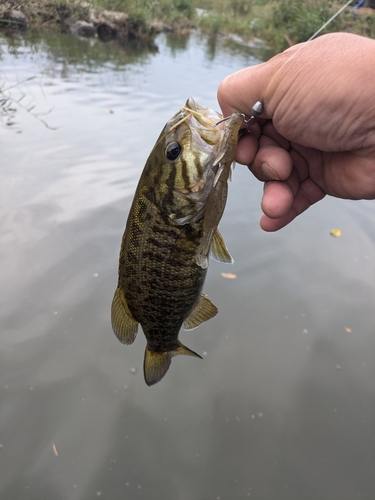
<point x="203" y="251"/>
<point x="156" y="364"/>
<point x="216" y="245"/>
<point x="201" y="258"/>
<point x="213" y="211"/>
<point x="203" y="311"/>
<point x="219" y="250"/>
<point x="123" y="323"/>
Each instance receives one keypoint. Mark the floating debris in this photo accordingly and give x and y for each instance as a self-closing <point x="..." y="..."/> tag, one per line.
<point x="229" y="276"/>
<point x="54" y="449"/>
<point x="336" y="233"/>
<point x="347" y="329"/>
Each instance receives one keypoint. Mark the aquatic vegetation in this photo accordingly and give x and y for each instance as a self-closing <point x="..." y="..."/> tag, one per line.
<point x="7" y="110"/>
<point x="16" y="97"/>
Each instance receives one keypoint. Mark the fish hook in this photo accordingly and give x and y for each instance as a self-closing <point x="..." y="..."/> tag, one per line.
<point x="256" y="111"/>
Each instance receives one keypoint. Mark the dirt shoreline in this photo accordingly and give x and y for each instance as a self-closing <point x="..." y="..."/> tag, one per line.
<point x="80" y="18"/>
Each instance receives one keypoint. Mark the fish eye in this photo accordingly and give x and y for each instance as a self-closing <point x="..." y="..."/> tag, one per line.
<point x="172" y="151"/>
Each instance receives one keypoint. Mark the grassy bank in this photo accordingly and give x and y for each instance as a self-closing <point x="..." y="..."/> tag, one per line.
<point x="280" y="23"/>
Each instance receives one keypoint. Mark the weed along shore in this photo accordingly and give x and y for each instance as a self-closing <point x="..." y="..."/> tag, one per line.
<point x="278" y="23"/>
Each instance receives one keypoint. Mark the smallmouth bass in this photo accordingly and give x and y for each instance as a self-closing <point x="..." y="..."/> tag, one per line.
<point x="171" y="229"/>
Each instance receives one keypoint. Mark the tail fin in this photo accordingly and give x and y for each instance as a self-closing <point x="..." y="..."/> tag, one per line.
<point x="156" y="364"/>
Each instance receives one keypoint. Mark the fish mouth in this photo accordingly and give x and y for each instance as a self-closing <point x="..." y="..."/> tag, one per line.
<point x="209" y="127"/>
<point x="205" y="116"/>
<point x="212" y="142"/>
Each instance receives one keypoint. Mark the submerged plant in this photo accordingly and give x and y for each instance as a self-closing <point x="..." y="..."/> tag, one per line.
<point x="7" y="111"/>
<point x="10" y="104"/>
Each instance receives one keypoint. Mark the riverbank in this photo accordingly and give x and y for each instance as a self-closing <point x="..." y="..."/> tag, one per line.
<point x="280" y="24"/>
<point x="81" y="18"/>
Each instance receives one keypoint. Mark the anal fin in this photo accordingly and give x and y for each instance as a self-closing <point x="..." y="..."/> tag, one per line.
<point x="203" y="311"/>
<point x="123" y="323"/>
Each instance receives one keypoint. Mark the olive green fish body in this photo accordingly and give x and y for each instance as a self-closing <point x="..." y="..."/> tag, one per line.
<point x="168" y="237"/>
<point x="158" y="273"/>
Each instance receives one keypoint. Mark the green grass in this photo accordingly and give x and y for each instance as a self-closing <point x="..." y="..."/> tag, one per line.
<point x="168" y="11"/>
<point x="282" y="22"/>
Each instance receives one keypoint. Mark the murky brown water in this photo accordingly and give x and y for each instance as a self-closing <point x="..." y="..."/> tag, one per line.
<point x="282" y="405"/>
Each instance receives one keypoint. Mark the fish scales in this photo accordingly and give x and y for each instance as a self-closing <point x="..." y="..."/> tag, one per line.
<point x="160" y="279"/>
<point x="164" y="287"/>
<point x="164" y="283"/>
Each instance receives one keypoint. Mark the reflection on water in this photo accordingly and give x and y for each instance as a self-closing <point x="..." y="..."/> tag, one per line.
<point x="281" y="406"/>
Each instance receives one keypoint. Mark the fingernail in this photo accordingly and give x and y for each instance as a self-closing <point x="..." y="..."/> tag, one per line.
<point x="268" y="171"/>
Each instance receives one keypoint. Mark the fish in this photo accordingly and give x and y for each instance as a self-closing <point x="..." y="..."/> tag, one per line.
<point x="171" y="231"/>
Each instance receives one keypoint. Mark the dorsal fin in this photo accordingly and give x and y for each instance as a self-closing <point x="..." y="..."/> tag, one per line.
<point x="203" y="311"/>
<point x="156" y="364"/>
<point x="123" y="323"/>
<point x="219" y="250"/>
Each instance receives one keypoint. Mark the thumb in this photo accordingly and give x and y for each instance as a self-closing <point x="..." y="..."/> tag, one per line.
<point x="239" y="91"/>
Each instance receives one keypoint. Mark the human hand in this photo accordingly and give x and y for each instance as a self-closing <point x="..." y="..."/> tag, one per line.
<point x="317" y="132"/>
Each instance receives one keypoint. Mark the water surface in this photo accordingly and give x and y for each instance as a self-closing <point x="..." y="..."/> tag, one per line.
<point x="283" y="404"/>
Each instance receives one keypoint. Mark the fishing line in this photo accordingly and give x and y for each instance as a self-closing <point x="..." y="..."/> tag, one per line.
<point x="330" y="20"/>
